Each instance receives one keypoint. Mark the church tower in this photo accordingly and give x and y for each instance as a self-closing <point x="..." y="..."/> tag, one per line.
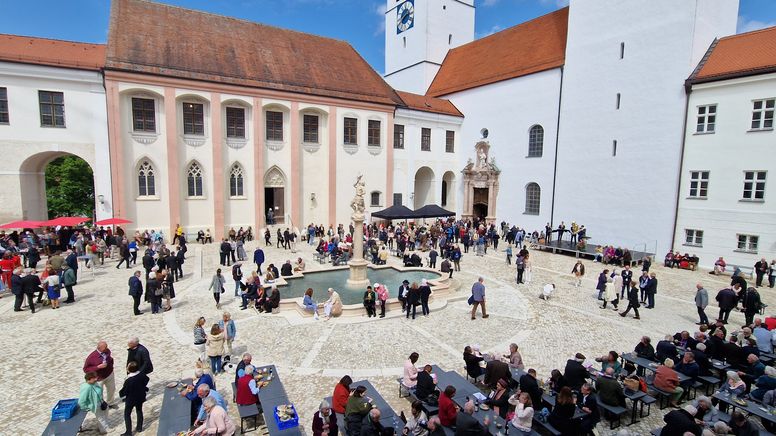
<point x="418" y="34"/>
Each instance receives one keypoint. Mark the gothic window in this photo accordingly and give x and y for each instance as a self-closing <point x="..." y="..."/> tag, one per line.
<point x="195" y="180"/>
<point x="145" y="178"/>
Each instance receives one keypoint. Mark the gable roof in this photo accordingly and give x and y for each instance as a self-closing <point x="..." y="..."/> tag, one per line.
<point x="530" y="47"/>
<point x="52" y="52"/>
<point x="153" y="38"/>
<point x="425" y="103"/>
<point x="738" y="55"/>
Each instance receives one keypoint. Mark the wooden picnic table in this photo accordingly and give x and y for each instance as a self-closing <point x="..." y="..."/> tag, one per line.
<point x="175" y="414"/>
<point x="752" y="407"/>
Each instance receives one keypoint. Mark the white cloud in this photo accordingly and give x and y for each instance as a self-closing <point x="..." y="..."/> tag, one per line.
<point x="379" y="10"/>
<point x="746" y="25"/>
<point x="557" y="3"/>
<point x="492" y="30"/>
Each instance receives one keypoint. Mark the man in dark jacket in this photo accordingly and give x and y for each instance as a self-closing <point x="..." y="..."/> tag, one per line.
<point x="588" y="402"/>
<point x="172" y="265"/>
<point x="727" y="299"/>
<point x="134" y="394"/>
<point x="370" y="425"/>
<point x="633" y="302"/>
<point x="148" y="262"/>
<point x="529" y="385"/>
<point x="136" y="291"/>
<point x="180" y="257"/>
<point x="645" y="349"/>
<point x="679" y="422"/>
<point x="258" y="259"/>
<point x="17" y="289"/>
<point x="30" y="285"/>
<point x="224" y="251"/>
<point x="286" y="269"/>
<point x="496" y="370"/>
<point x="666" y="350"/>
<point x="609" y="390"/>
<point x="68" y="281"/>
<point x="425" y="389"/>
<point x="751" y="303"/>
<point x="651" y="291"/>
<point x="575" y="374"/>
<point x="704" y="365"/>
<point x="466" y="424"/>
<point x="138" y="353"/>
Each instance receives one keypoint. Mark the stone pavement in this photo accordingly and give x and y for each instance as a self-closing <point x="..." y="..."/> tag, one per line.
<point x="44" y="353"/>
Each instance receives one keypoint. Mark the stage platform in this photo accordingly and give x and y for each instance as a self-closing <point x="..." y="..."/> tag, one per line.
<point x="566" y="247"/>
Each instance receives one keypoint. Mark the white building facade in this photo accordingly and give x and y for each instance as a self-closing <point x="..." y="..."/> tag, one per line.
<point x="52" y="104"/>
<point x="726" y="204"/>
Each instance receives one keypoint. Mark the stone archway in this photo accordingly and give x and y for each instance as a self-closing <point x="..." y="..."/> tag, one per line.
<point x="275" y="196"/>
<point x="424" y="187"/>
<point x="31" y="183"/>
<point x="448" y="191"/>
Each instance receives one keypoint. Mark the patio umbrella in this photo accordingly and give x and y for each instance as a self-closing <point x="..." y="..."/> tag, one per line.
<point x="432" y="211"/>
<point x="67" y="221"/>
<point x="395" y="212"/>
<point x="21" y="224"/>
<point x="112" y="221"/>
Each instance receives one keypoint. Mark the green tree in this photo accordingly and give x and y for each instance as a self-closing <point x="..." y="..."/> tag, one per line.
<point x="69" y="187"/>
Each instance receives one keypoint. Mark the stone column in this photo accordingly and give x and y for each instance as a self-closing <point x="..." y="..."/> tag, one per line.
<point x="358" y="264"/>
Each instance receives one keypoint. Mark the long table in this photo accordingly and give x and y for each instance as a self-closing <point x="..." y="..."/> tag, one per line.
<point x="751" y="407"/>
<point x="464" y="391"/>
<point x="67" y="427"/>
<point x="650" y="365"/>
<point x="175" y="414"/>
<point x="271" y="396"/>
<point x="377" y="400"/>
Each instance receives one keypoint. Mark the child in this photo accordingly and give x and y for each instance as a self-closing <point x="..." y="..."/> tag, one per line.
<point x="509" y="255"/>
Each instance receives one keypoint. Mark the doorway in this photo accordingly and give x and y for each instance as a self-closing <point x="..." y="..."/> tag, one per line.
<point x="273" y="198"/>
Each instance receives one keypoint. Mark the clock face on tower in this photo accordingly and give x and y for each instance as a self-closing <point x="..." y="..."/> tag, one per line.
<point x="405" y="16"/>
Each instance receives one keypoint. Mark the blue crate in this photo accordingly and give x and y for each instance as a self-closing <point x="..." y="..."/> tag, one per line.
<point x="291" y="423"/>
<point x="65" y="409"/>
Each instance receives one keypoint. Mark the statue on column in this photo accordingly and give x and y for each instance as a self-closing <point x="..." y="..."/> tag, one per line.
<point x="358" y="201"/>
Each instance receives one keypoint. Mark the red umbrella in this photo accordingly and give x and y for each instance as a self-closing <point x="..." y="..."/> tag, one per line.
<point x="22" y="225"/>
<point x="112" y="221"/>
<point x="67" y="221"/>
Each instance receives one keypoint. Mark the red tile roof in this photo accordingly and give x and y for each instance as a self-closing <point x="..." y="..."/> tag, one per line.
<point x="530" y="47"/>
<point x="152" y="38"/>
<point x="429" y="104"/>
<point x="739" y="55"/>
<point x="52" y="52"/>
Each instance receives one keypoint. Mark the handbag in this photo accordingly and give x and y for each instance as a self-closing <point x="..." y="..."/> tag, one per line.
<point x="103" y="405"/>
<point x="470" y="300"/>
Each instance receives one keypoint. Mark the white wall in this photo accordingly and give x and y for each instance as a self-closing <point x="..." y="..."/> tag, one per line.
<point x="629" y="199"/>
<point x="726" y="154"/>
<point x="27" y="147"/>
<point x="408" y="160"/>
<point x="508" y="109"/>
<point x="439" y="26"/>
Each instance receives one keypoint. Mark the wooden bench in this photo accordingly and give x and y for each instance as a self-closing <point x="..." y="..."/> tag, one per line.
<point x="546" y="426"/>
<point x="710" y="382"/>
<point x="617" y="411"/>
<point x="248" y="412"/>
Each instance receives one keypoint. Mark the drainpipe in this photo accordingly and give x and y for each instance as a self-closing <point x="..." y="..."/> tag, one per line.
<point x="688" y="90"/>
<point x="557" y="139"/>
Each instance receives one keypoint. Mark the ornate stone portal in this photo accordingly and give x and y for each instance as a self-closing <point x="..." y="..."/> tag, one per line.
<point x="480" y="183"/>
<point x="357" y="263"/>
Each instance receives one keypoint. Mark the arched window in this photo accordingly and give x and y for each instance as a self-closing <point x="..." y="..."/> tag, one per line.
<point x="195" y="180"/>
<point x="533" y="197"/>
<point x="145" y="179"/>
<point x="374" y="198"/>
<point x="236" y="181"/>
<point x="536" y="141"/>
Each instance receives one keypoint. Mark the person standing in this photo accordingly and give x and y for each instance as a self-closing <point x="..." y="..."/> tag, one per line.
<point x="432" y="258"/>
<point x="701" y="301"/>
<point x="17" y="289"/>
<point x="727" y="300"/>
<point x="258" y="258"/>
<point x="68" y="280"/>
<point x="633" y="301"/>
<point x="760" y="269"/>
<point x="31" y="285"/>
<point x="224" y="250"/>
<point x="217" y="286"/>
<point x="237" y="275"/>
<point x="229" y="328"/>
<point x="425" y="294"/>
<point x="627" y="277"/>
<point x="651" y="290"/>
<point x="509" y="254"/>
<point x="124" y="253"/>
<point x="413" y="299"/>
<point x="478" y="298"/>
<point x="404" y="289"/>
<point x="643" y="285"/>
<point x="601" y="286"/>
<point x="100" y="362"/>
<point x="772" y="274"/>
<point x="579" y="272"/>
<point x="382" y="297"/>
<point x="148" y="262"/>
<point x="90" y="400"/>
<point x="520" y="264"/>
<point x="137" y="352"/>
<point x="134" y="394"/>
<point x="751" y="303"/>
<point x="215" y="348"/>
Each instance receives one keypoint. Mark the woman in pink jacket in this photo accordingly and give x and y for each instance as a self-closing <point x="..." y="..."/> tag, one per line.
<point x="382" y="296"/>
<point x="217" y="422"/>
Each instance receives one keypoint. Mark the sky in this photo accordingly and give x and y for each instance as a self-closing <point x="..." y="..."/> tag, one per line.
<point x="359" y="22"/>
